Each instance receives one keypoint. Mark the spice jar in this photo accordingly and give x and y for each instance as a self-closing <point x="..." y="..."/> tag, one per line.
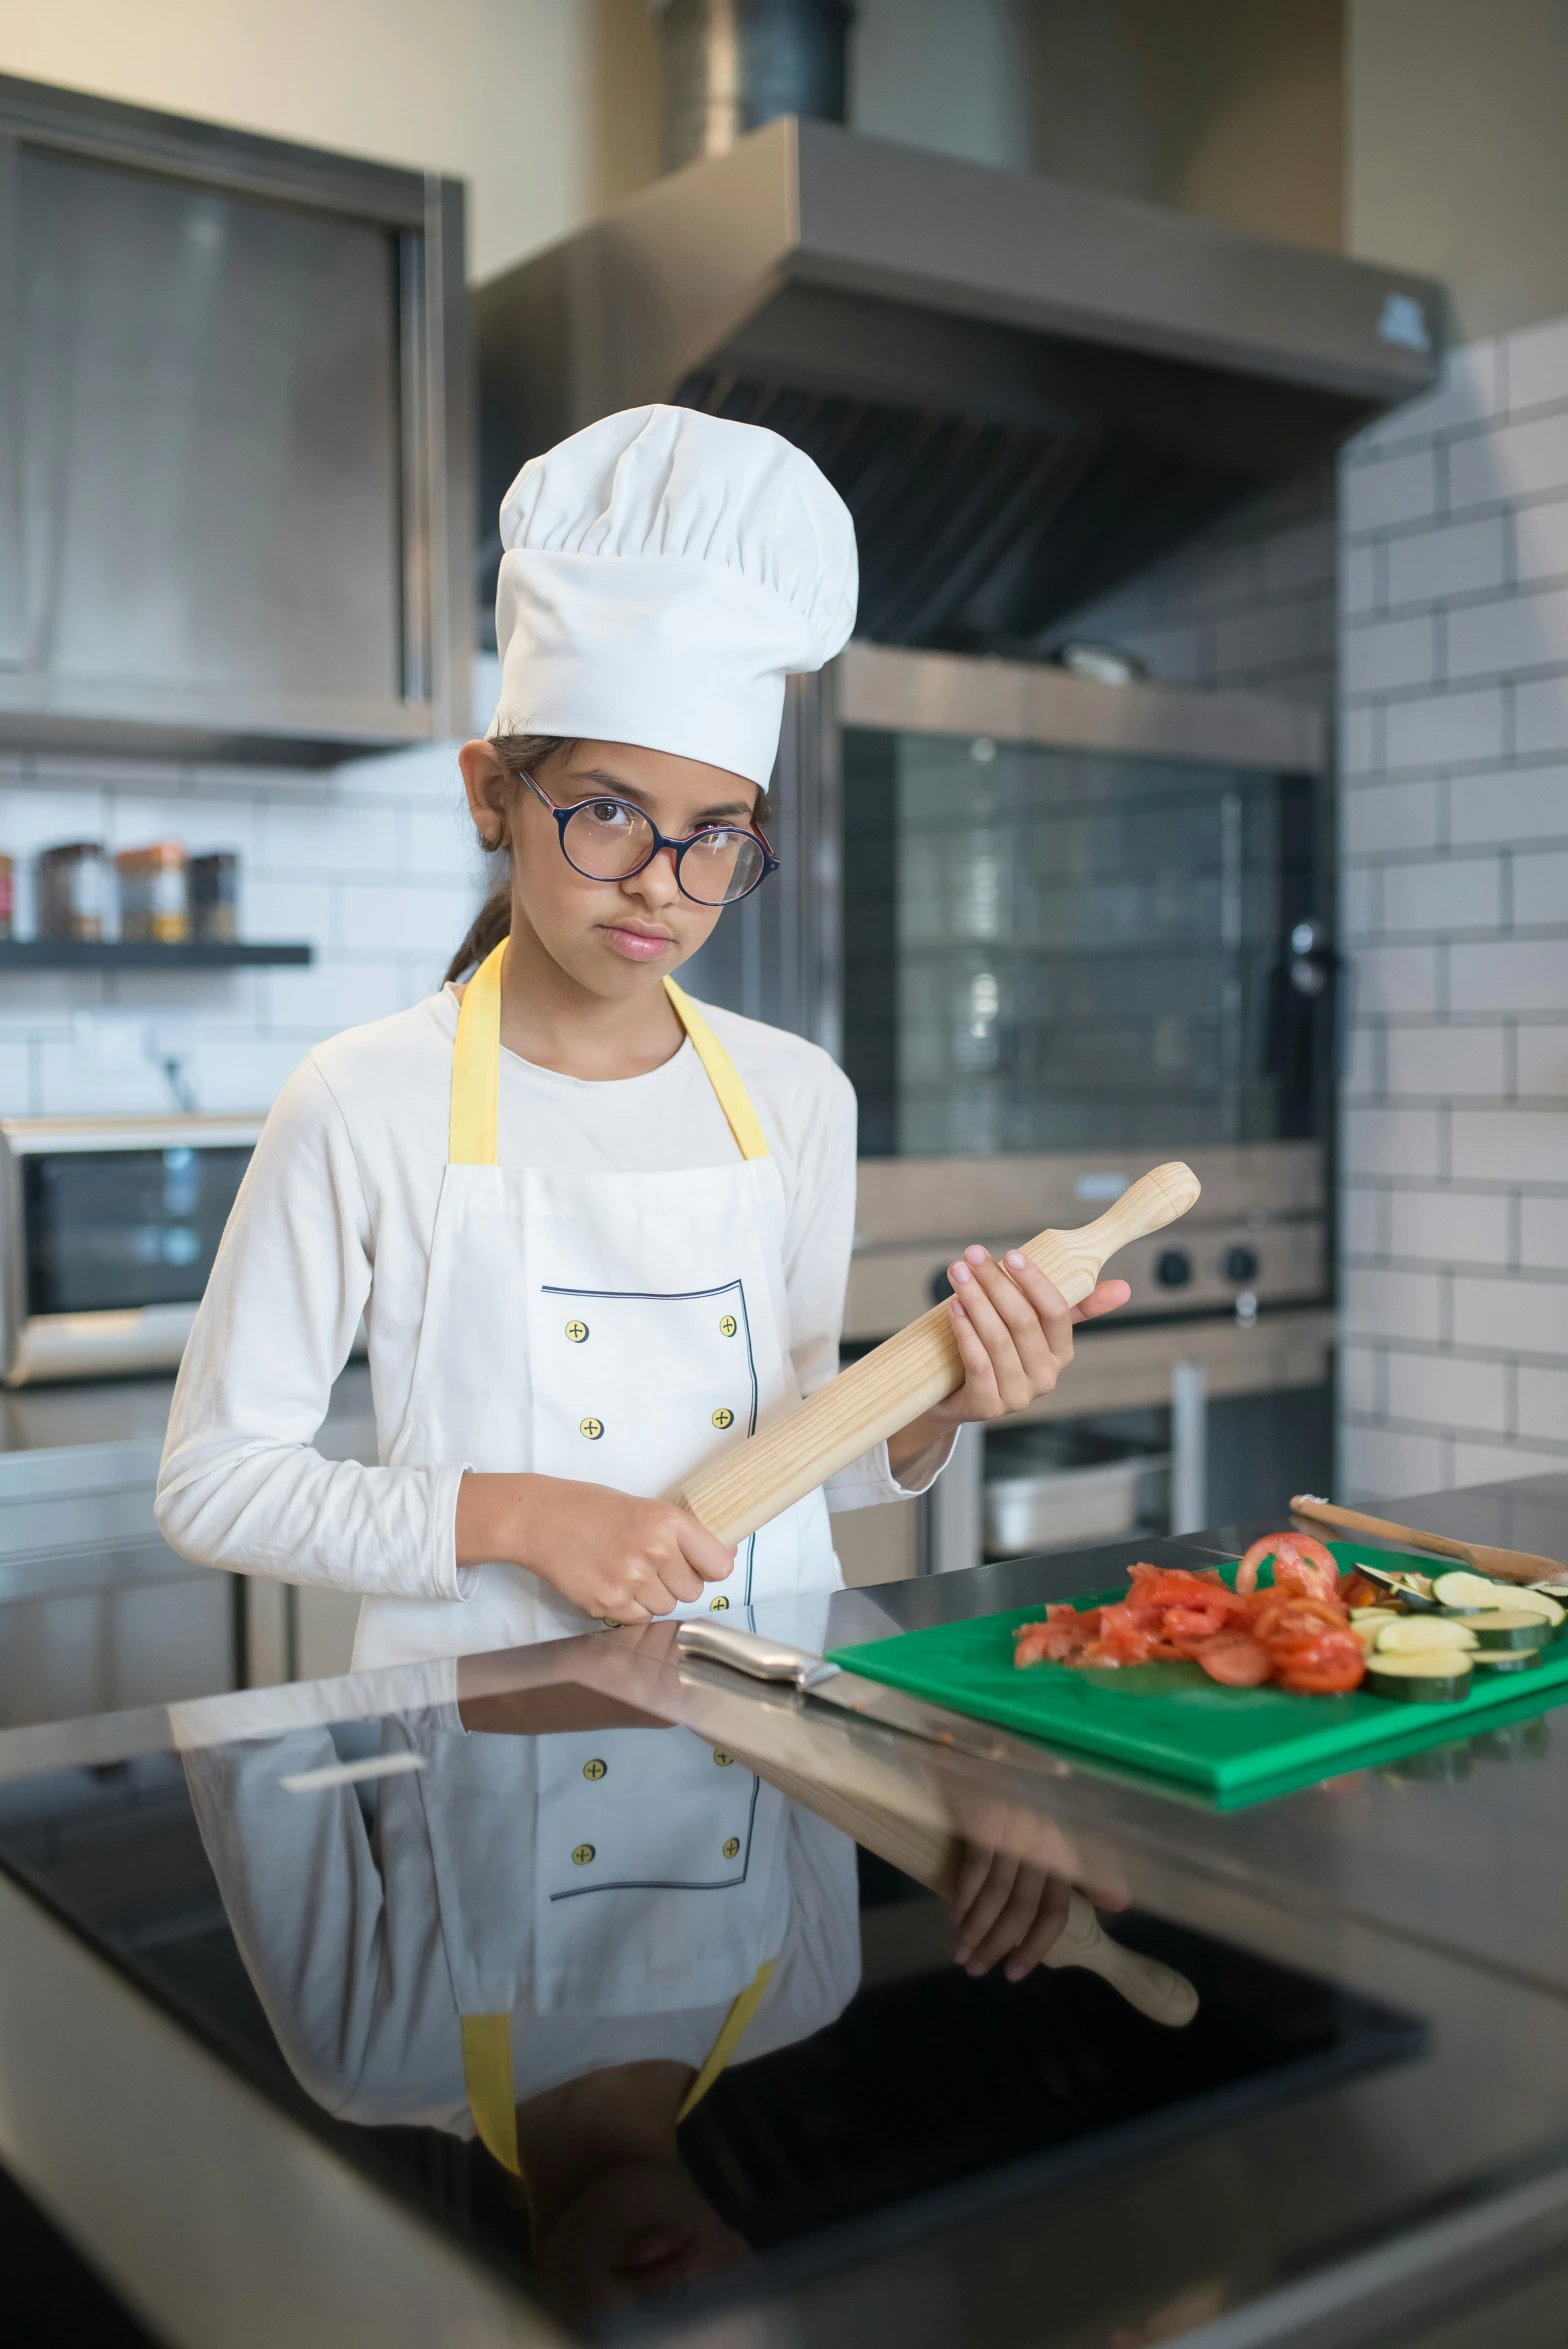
<point x="72" y="890"/>
<point x="214" y="897"/>
<point x="154" y="907"/>
<point x="7" y="895"/>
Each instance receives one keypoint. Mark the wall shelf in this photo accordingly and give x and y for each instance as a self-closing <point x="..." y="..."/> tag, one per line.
<point x="115" y="954"/>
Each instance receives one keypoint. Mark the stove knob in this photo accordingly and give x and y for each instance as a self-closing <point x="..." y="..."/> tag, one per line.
<point x="1239" y="1265"/>
<point x="1173" y="1268"/>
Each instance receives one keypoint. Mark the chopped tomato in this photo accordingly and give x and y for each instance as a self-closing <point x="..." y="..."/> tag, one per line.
<point x="1296" y="1633"/>
<point x="1233" y="1659"/>
<point x="1282" y="1616"/>
<point x="1193" y="1622"/>
<point x="1298" y="1559"/>
<point x="1328" y="1666"/>
<point x="1173" y="1586"/>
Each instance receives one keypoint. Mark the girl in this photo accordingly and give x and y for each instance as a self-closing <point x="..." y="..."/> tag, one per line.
<point x="595" y="1232"/>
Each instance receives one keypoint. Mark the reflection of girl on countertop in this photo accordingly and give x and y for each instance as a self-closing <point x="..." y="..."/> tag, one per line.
<point x="462" y="1968"/>
<point x="596" y="1232"/>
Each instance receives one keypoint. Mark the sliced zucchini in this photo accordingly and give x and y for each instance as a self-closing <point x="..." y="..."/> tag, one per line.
<point x="1418" y="1635"/>
<point x="1414" y="1590"/>
<point x="1472" y="1594"/>
<point x="1507" y="1627"/>
<point x="1497" y="1663"/>
<point x="1375" y="1615"/>
<point x="1539" y="1602"/>
<point x="1462" y="1594"/>
<point x="1440" y="1677"/>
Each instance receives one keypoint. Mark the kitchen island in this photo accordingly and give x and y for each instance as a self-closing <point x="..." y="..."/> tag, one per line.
<point x="241" y="2063"/>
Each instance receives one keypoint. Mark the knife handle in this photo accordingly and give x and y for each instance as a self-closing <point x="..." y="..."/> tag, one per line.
<point x="751" y="1653"/>
<point x="1156" y="1990"/>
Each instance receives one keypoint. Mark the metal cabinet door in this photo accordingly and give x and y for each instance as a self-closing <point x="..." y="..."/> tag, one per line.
<point x="206" y="391"/>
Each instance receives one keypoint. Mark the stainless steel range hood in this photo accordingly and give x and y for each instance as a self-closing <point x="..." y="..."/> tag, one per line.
<point x="1025" y="389"/>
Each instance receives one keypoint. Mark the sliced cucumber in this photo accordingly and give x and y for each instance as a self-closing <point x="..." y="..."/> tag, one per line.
<point x="1439" y="1677"/>
<point x="1462" y="1594"/>
<point x="1418" y="1635"/>
<point x="1507" y="1627"/>
<point x="1497" y="1663"/>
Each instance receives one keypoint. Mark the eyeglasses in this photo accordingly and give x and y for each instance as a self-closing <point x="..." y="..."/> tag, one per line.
<point x="608" y="839"/>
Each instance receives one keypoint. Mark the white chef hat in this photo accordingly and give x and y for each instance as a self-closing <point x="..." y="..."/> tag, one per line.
<point x="663" y="572"/>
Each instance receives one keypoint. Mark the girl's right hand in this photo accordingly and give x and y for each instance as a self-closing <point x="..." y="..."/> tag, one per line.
<point x="616" y="1557"/>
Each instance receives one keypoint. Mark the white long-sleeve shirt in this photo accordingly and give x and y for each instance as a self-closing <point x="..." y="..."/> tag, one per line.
<point x="335" y="1218"/>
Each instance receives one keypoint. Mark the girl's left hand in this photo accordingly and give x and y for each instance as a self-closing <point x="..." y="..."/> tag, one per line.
<point x="1014" y="1331"/>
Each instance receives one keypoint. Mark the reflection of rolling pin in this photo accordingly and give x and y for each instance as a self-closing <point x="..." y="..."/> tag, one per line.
<point x="1156" y="1990"/>
<point x="754" y="1481"/>
<point x="933" y="1855"/>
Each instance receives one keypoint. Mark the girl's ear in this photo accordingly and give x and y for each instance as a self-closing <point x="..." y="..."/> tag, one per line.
<point x="484" y="780"/>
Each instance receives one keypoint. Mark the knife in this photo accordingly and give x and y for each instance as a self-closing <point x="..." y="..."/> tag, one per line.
<point x="1154" y="1988"/>
<point x="771" y="1660"/>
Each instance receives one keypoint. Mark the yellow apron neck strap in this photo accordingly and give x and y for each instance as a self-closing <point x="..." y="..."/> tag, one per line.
<point x="492" y="2098"/>
<point x="476" y="1067"/>
<point x="487" y="2075"/>
<point x="722" y="1074"/>
<point x="476" y="1070"/>
<point x="732" y="2030"/>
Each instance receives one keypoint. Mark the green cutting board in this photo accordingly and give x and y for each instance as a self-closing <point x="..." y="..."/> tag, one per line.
<point x="1171" y="1722"/>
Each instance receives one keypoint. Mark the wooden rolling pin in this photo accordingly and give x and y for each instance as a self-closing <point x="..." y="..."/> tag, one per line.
<point x="1481" y="1557"/>
<point x="754" y="1481"/>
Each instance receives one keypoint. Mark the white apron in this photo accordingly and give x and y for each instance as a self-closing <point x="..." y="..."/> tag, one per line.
<point x="614" y="1329"/>
<point x="634" y="1833"/>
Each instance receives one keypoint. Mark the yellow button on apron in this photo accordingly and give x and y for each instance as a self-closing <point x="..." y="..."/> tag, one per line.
<point x="594" y="1769"/>
<point x="719" y="1606"/>
<point x="583" y="1854"/>
<point x="577" y="1331"/>
<point x="732" y="1847"/>
<point x="724" y="1760"/>
<point x="593" y="1429"/>
<point x="727" y="1326"/>
<point x="723" y="1418"/>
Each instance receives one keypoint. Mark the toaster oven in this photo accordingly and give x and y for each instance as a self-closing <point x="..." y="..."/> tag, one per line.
<point x="110" y="1227"/>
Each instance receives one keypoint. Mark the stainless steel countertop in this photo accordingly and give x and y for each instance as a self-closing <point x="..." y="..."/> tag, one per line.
<point x="1361" y="2215"/>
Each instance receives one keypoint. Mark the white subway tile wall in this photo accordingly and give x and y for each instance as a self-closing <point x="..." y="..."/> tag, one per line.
<point x="1250" y="603"/>
<point x="374" y="864"/>
<point x="1454" y="845"/>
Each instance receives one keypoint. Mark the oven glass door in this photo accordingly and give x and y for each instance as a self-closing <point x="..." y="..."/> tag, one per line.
<point x="110" y="1229"/>
<point x="1058" y="949"/>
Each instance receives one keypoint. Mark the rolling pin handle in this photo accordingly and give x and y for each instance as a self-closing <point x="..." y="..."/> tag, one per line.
<point x="1155" y="1989"/>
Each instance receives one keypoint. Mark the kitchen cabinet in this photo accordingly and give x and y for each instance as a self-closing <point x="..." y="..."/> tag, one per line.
<point x="235" y="499"/>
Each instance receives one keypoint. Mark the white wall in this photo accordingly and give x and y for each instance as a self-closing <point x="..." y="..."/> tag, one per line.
<point x="1455" y="850"/>
<point x="374" y="864"/>
<point x="545" y="107"/>
<point x="1456" y="158"/>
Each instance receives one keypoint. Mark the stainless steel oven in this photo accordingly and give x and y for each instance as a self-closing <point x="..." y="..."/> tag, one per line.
<point x="1057" y="930"/>
<point x="110" y="1227"/>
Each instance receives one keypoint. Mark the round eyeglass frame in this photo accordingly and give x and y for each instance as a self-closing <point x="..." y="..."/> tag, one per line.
<point x="661" y="841"/>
